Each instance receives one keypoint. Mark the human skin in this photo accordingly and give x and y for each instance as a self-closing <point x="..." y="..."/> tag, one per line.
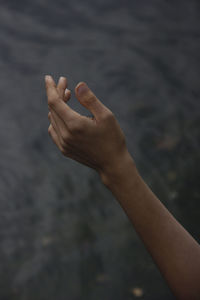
<point x="99" y="143"/>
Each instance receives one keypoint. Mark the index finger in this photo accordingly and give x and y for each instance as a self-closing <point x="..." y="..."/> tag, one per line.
<point x="56" y="103"/>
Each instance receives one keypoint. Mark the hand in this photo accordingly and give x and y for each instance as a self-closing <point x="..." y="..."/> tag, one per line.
<point x="97" y="142"/>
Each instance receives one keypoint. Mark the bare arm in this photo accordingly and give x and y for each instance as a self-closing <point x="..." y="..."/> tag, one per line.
<point x="173" y="249"/>
<point x="99" y="143"/>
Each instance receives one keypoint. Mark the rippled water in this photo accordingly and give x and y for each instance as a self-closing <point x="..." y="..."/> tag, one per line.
<point x="62" y="234"/>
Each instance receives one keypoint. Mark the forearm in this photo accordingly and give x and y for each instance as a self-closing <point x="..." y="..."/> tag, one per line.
<point x="173" y="249"/>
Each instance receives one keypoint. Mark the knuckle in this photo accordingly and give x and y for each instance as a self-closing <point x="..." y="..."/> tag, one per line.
<point x="63" y="143"/>
<point x="63" y="151"/>
<point x="109" y="116"/>
<point x="52" y="101"/>
<point x="49" y="130"/>
<point x="75" y="127"/>
<point x="66" y="139"/>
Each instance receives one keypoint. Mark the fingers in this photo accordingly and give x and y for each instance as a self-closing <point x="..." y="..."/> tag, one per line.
<point x="63" y="92"/>
<point x="61" y="86"/>
<point x="67" y="95"/>
<point x="58" y="124"/>
<point x="87" y="98"/>
<point x="54" y="136"/>
<point x="54" y="123"/>
<point x="57" y="104"/>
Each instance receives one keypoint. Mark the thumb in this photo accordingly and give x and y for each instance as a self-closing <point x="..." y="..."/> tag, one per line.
<point x="87" y="98"/>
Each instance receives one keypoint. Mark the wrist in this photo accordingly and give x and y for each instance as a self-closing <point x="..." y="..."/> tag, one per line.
<point x="120" y="173"/>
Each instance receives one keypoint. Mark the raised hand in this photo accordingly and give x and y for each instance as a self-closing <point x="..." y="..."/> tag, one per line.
<point x="97" y="142"/>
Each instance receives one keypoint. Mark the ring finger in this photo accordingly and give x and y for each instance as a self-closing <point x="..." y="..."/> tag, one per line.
<point x="54" y="136"/>
<point x="54" y="125"/>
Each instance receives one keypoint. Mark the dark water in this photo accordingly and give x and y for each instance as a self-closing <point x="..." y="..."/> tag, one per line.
<point x="62" y="234"/>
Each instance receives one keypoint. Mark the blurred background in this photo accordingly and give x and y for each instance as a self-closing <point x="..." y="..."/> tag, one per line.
<point x="62" y="233"/>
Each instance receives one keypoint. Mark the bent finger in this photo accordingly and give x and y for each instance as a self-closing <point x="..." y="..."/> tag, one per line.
<point x="67" y="95"/>
<point x="61" y="86"/>
<point x="54" y="124"/>
<point x="54" y="137"/>
<point x="58" y="124"/>
<point x="64" y="93"/>
<point x="57" y="104"/>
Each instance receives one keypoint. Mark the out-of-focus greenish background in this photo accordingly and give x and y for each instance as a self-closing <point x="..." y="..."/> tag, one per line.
<point x="62" y="233"/>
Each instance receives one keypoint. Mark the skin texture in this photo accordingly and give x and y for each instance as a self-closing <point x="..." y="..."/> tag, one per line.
<point x="99" y="143"/>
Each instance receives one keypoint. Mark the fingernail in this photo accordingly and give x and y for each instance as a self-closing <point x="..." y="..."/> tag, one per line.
<point x="62" y="78"/>
<point x="67" y="91"/>
<point x="83" y="88"/>
<point x="47" y="77"/>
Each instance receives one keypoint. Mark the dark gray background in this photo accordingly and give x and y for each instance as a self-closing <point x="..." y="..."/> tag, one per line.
<point x="62" y="234"/>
